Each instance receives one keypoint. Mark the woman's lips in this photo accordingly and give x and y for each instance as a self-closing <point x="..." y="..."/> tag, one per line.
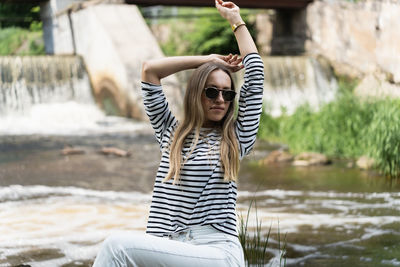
<point x="218" y="108"/>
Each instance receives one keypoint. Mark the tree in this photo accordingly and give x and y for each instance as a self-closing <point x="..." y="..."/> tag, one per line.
<point x="19" y="15"/>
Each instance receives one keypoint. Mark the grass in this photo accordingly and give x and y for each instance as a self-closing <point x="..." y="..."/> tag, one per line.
<point x="255" y="244"/>
<point x="348" y="127"/>
<point x="19" y="41"/>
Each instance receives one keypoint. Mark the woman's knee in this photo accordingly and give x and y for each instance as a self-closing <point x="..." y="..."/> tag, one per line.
<point x="113" y="250"/>
<point x="117" y="243"/>
<point x="112" y="242"/>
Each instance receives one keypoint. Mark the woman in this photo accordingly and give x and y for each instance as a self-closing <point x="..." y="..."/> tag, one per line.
<point x="192" y="220"/>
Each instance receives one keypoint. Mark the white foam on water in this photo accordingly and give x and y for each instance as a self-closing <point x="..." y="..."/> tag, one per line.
<point x="299" y="260"/>
<point x="279" y="193"/>
<point x="393" y="262"/>
<point x="68" y="118"/>
<point x="288" y="212"/>
<point x="75" y="220"/>
<point x="71" y="220"/>
<point x="19" y="192"/>
<point x="301" y="201"/>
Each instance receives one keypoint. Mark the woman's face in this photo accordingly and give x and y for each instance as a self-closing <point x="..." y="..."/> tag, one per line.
<point x="215" y="109"/>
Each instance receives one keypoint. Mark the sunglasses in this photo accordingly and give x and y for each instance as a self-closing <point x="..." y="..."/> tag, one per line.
<point x="213" y="93"/>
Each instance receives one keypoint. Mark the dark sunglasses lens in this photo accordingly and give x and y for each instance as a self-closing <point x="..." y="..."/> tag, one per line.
<point x="228" y="95"/>
<point x="212" y="92"/>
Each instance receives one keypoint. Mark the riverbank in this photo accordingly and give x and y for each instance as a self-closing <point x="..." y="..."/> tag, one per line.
<point x="348" y="127"/>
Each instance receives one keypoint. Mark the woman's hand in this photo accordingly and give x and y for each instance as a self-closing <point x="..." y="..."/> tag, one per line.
<point x="231" y="62"/>
<point x="229" y="11"/>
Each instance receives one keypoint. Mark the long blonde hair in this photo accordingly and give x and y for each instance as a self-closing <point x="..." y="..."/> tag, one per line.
<point x="194" y="119"/>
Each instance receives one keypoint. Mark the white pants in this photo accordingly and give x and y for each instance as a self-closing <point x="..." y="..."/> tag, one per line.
<point x="198" y="246"/>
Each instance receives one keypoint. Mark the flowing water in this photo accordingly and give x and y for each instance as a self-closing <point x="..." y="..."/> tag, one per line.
<point x="56" y="209"/>
<point x="294" y="81"/>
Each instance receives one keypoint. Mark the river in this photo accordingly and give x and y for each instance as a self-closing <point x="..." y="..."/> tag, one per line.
<point x="56" y="209"/>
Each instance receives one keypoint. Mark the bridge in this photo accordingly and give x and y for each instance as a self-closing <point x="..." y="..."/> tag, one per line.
<point x="264" y="4"/>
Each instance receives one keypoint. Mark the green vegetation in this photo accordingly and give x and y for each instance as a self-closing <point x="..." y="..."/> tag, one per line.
<point x="383" y="142"/>
<point x="347" y="127"/>
<point x="18" y="15"/>
<point x="18" y="41"/>
<point x="21" y="30"/>
<point x="201" y="31"/>
<point x="255" y="245"/>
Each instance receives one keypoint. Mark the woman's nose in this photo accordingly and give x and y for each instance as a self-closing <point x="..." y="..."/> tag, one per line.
<point x="219" y="98"/>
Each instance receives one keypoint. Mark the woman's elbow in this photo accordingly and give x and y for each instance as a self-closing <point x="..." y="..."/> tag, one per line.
<point x="146" y="68"/>
<point x="148" y="73"/>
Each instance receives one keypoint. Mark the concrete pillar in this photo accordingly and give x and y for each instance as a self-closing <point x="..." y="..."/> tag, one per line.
<point x="57" y="26"/>
<point x="46" y="15"/>
<point x="281" y="31"/>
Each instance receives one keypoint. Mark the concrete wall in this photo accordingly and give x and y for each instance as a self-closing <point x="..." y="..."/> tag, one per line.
<point x="114" y="40"/>
<point x="360" y="39"/>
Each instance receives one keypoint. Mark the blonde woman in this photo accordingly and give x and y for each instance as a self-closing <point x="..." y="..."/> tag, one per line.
<point x="192" y="220"/>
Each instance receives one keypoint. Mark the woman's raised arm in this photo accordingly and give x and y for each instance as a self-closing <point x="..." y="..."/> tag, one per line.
<point x="156" y="69"/>
<point x="231" y="12"/>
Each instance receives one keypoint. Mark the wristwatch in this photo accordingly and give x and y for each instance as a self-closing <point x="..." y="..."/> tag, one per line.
<point x="235" y="26"/>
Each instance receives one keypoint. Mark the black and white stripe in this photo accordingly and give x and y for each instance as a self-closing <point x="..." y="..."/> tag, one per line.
<point x="201" y="197"/>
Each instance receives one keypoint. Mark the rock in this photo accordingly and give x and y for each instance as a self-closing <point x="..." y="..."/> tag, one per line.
<point x="265" y="28"/>
<point x="350" y="164"/>
<point x="310" y="158"/>
<point x="375" y="85"/>
<point x="69" y="150"/>
<point x="365" y="163"/>
<point x="277" y="156"/>
<point x="358" y="37"/>
<point x="115" y="151"/>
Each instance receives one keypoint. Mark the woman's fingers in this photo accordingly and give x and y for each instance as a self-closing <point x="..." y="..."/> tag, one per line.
<point x="235" y="59"/>
<point x="228" y="4"/>
<point x="232" y="62"/>
<point x="225" y="7"/>
<point x="227" y="58"/>
<point x="218" y="4"/>
<point x="237" y="68"/>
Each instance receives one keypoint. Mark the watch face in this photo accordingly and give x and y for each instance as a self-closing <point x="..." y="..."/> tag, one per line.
<point x="236" y="25"/>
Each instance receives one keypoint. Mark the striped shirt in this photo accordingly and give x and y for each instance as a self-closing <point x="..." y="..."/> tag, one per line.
<point x="201" y="197"/>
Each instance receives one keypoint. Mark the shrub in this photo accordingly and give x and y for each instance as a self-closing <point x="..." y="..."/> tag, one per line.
<point x="346" y="127"/>
<point x="18" y="41"/>
<point x="202" y="31"/>
<point x="383" y="137"/>
<point x="337" y="129"/>
<point x="11" y="39"/>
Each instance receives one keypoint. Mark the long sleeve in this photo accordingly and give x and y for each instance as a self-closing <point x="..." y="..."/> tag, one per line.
<point x="156" y="106"/>
<point x="250" y="103"/>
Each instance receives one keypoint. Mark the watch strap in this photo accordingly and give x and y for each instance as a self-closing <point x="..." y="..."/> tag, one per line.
<point x="235" y="26"/>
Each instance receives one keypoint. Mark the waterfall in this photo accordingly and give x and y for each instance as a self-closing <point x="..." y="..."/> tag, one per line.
<point x="292" y="81"/>
<point x="26" y="81"/>
<point x="51" y="95"/>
